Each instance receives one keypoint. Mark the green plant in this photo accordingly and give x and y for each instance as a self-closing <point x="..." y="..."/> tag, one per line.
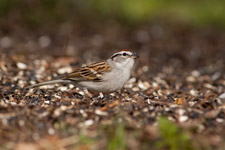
<point x="115" y="135"/>
<point x="172" y="137"/>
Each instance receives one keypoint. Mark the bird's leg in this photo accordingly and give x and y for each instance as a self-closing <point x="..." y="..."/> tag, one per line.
<point x="118" y="94"/>
<point x="89" y="94"/>
<point x="97" y="99"/>
<point x="101" y="96"/>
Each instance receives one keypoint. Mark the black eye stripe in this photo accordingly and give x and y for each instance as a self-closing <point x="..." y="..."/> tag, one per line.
<point x="123" y="54"/>
<point x="116" y="56"/>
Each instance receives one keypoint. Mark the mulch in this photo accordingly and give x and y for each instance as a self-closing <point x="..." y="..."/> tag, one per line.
<point x="180" y="75"/>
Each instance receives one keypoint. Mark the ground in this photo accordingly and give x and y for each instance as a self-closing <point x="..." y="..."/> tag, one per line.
<point x="175" y="98"/>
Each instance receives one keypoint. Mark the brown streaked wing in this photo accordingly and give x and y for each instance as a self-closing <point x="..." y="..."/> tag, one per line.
<point x="90" y="72"/>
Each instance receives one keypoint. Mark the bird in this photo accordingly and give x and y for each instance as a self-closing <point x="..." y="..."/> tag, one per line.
<point x="106" y="76"/>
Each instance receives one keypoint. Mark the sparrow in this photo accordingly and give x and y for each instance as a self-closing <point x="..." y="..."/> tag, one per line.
<point x="105" y="76"/>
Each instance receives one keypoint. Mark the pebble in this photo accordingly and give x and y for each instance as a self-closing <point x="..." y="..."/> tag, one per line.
<point x="135" y="89"/>
<point x="171" y="119"/>
<point x="21" y="122"/>
<point x="195" y="73"/>
<point x="201" y="128"/>
<point x="222" y="96"/>
<point x="30" y="92"/>
<point x="21" y="82"/>
<point x="57" y="112"/>
<point x="220" y="120"/>
<point x="130" y="83"/>
<point x="181" y="111"/>
<point x="173" y="106"/>
<point x="193" y="92"/>
<point x="38" y="76"/>
<point x="89" y="122"/>
<point x="21" y="65"/>
<point x="100" y="113"/>
<point x="216" y="76"/>
<point x="145" y="110"/>
<point x="63" y="88"/>
<point x="32" y="82"/>
<point x="132" y="80"/>
<point x="71" y="86"/>
<point x="84" y="114"/>
<point x="40" y="70"/>
<point x="44" y="114"/>
<point x="143" y="85"/>
<point x="191" y="103"/>
<point x="57" y="96"/>
<point x="64" y="70"/>
<point x="167" y="109"/>
<point x="190" y="79"/>
<point x="149" y="101"/>
<point x="51" y="131"/>
<point x="63" y="107"/>
<point x="47" y="102"/>
<point x="13" y="103"/>
<point x="209" y="86"/>
<point x="183" y="118"/>
<point x="151" y="107"/>
<point x="81" y="93"/>
<point x="154" y="84"/>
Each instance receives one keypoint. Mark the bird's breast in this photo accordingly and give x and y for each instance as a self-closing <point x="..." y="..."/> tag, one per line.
<point x="112" y="81"/>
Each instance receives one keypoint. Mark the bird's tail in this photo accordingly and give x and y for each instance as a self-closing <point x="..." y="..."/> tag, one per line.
<point x="50" y="82"/>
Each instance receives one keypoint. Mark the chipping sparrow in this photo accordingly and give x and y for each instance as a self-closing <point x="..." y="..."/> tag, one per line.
<point x="106" y="76"/>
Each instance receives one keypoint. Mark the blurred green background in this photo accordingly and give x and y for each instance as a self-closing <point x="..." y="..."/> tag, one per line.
<point x="36" y="13"/>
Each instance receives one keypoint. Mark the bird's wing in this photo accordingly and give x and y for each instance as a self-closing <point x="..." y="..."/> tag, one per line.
<point x="90" y="72"/>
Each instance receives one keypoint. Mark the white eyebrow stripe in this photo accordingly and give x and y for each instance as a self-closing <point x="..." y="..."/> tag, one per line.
<point x="121" y="53"/>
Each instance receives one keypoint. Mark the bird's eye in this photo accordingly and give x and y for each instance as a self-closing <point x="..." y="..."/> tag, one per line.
<point x="124" y="54"/>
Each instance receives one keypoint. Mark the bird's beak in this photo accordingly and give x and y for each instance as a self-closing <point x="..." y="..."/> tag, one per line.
<point x="135" y="56"/>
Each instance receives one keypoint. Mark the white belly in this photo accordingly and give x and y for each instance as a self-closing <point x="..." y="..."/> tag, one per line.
<point x="109" y="83"/>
